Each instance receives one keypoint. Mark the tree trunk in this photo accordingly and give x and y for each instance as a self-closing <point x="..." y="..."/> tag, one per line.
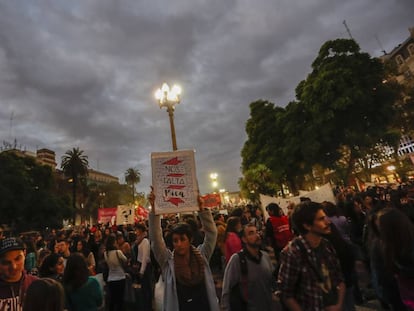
<point x="349" y="169"/>
<point x="74" y="199"/>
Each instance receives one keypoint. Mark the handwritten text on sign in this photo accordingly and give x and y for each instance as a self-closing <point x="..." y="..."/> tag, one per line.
<point x="174" y="181"/>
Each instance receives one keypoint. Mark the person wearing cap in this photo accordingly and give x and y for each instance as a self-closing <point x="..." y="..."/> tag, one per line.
<point x="13" y="279"/>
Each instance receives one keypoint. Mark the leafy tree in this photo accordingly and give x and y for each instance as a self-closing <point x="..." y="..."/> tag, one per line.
<point x="264" y="146"/>
<point x="28" y="195"/>
<point x="342" y="121"/>
<point x="132" y="177"/>
<point x="75" y="166"/>
<point x="348" y="105"/>
<point x="257" y="180"/>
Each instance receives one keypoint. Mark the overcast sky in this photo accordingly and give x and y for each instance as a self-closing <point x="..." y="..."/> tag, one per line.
<point x="83" y="73"/>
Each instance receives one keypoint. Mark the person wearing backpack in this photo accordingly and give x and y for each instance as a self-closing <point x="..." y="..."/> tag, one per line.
<point x="247" y="282"/>
<point x="310" y="276"/>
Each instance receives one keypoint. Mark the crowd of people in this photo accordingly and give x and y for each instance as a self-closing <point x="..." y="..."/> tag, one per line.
<point x="304" y="259"/>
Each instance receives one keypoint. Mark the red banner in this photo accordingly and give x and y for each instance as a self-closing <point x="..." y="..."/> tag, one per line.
<point x="142" y="212"/>
<point x="106" y="215"/>
<point x="211" y="200"/>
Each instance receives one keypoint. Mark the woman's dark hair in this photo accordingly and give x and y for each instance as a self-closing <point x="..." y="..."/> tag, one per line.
<point x="275" y="209"/>
<point x="110" y="242"/>
<point x="357" y="199"/>
<point x="182" y="228"/>
<point x="397" y="235"/>
<point x="141" y="227"/>
<point x="304" y="213"/>
<point x="232" y="223"/>
<point x="131" y="236"/>
<point x="30" y="246"/>
<point x="76" y="272"/>
<point x="192" y="223"/>
<point x="47" y="267"/>
<point x="85" y="248"/>
<point x="44" y="294"/>
<point x="330" y="209"/>
<point x="237" y="212"/>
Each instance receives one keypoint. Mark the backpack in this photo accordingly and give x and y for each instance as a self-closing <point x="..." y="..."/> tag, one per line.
<point x="238" y="293"/>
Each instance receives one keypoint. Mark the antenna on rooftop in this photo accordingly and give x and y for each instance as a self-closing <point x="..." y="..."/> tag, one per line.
<point x="347" y="30"/>
<point x="11" y="125"/>
<point x="380" y="45"/>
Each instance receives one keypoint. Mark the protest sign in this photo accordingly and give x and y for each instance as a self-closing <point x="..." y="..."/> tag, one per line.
<point x="125" y="215"/>
<point x="174" y="181"/>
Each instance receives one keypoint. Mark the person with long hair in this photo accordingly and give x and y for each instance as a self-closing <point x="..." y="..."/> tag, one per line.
<point x="52" y="267"/>
<point x="382" y="279"/>
<point x="397" y="237"/>
<point x="82" y="247"/>
<point x="30" y="263"/>
<point x="44" y="294"/>
<point x="232" y="241"/>
<point x="83" y="292"/>
<point x="188" y="280"/>
<point x="116" y="276"/>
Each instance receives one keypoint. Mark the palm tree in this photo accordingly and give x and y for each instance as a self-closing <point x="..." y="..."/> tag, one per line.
<point x="74" y="165"/>
<point x="132" y="177"/>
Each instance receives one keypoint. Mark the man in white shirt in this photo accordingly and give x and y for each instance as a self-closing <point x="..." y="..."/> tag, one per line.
<point x="144" y="262"/>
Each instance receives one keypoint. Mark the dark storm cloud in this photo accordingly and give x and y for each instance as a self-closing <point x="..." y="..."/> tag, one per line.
<point x="83" y="73"/>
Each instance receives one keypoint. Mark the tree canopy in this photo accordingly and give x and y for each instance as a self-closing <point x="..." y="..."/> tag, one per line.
<point x="132" y="177"/>
<point x="344" y="112"/>
<point x="28" y="196"/>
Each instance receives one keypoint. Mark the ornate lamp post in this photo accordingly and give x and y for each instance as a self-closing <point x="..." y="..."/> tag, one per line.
<point x="168" y="98"/>
<point x="214" y="183"/>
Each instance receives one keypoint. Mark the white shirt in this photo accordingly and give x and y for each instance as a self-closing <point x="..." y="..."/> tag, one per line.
<point x="144" y="255"/>
<point x="114" y="259"/>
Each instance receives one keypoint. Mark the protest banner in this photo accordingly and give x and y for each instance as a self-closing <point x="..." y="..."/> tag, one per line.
<point x="107" y="215"/>
<point x="324" y="193"/>
<point x="211" y="200"/>
<point x="125" y="215"/>
<point x="174" y="181"/>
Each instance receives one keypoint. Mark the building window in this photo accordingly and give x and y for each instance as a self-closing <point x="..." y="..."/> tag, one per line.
<point x="399" y="60"/>
<point x="411" y="49"/>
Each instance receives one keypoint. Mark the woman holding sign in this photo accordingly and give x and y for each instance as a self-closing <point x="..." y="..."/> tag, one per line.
<point x="186" y="273"/>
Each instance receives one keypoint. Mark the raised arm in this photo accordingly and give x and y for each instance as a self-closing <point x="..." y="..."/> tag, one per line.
<point x="158" y="246"/>
<point x="210" y="230"/>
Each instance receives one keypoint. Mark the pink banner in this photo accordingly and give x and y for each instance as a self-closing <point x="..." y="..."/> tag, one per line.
<point x="106" y="215"/>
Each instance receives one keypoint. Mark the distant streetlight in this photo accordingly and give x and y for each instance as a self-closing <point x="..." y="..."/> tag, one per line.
<point x="102" y="196"/>
<point x="214" y="183"/>
<point x="168" y="98"/>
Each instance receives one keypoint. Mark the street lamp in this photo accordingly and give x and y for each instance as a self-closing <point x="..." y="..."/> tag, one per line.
<point x="168" y="98"/>
<point x="214" y="183"/>
<point x="102" y="196"/>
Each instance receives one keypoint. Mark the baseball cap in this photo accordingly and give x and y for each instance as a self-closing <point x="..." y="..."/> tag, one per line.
<point x="11" y="244"/>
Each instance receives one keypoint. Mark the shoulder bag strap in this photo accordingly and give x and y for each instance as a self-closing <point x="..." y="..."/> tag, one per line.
<point x="119" y="260"/>
<point x="305" y="257"/>
<point x="243" y="270"/>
